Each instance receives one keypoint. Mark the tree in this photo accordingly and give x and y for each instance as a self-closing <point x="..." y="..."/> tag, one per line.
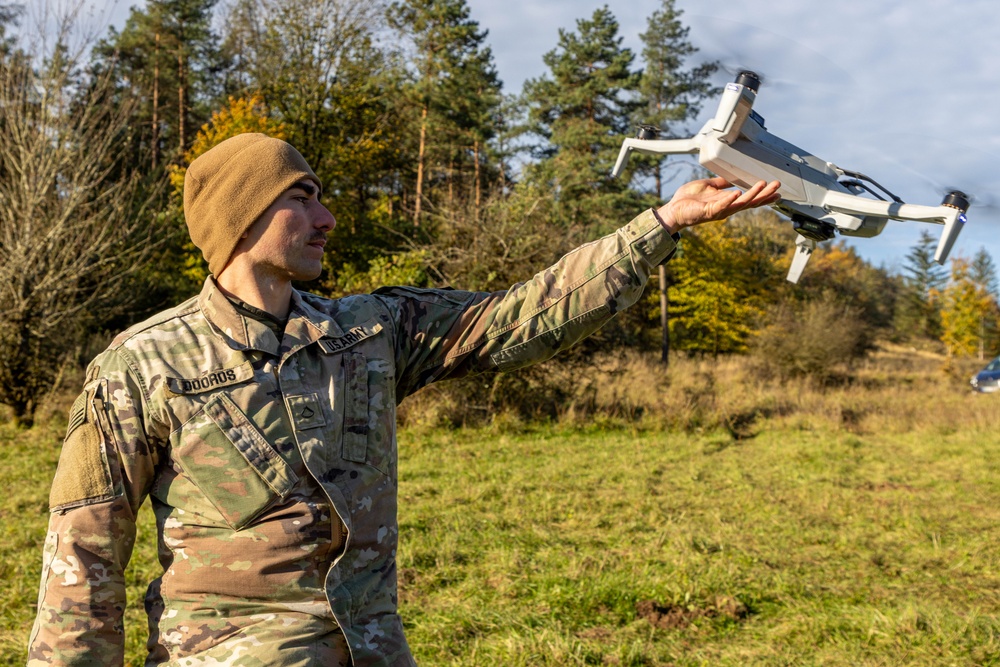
<point x="454" y="91"/>
<point x="917" y="310"/>
<point x="9" y="14"/>
<point x="303" y="56"/>
<point x="165" y="59"/>
<point x="318" y="71"/>
<point x="966" y="305"/>
<point x="671" y="96"/>
<point x="839" y="270"/>
<point x="182" y="266"/>
<point x="724" y="278"/>
<point x="74" y="227"/>
<point x="983" y="274"/>
<point x="580" y="112"/>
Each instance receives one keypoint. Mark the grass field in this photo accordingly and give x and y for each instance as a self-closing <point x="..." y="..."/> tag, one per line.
<point x="808" y="541"/>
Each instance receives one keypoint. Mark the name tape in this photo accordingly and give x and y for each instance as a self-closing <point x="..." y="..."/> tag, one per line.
<point x="215" y="379"/>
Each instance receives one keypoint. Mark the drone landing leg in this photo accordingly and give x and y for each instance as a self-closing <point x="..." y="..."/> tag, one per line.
<point x="803" y="251"/>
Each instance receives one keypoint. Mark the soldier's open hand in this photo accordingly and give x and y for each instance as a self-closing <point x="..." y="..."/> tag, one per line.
<point x="713" y="199"/>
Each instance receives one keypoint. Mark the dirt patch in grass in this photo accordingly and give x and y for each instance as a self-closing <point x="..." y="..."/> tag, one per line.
<point x="671" y="616"/>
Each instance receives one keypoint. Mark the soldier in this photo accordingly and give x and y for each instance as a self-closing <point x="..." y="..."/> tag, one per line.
<point x="260" y="421"/>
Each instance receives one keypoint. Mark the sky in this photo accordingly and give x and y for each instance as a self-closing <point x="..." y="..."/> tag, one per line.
<point x="905" y="92"/>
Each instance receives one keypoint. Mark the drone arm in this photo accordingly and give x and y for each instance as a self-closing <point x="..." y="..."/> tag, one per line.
<point x="654" y="147"/>
<point x="854" y="205"/>
<point x="952" y="218"/>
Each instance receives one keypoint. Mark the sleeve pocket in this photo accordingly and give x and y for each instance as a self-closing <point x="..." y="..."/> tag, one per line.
<point x="229" y="460"/>
<point x="356" y="409"/>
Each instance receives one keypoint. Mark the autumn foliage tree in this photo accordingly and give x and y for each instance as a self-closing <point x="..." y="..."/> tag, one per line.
<point x="966" y="307"/>
<point x="723" y="282"/>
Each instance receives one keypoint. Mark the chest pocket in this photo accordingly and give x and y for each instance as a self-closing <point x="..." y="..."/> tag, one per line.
<point x="231" y="462"/>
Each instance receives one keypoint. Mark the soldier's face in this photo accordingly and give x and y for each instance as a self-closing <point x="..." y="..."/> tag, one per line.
<point x="288" y="239"/>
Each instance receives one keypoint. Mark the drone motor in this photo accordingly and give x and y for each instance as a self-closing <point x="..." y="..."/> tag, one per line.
<point x="957" y="199"/>
<point x="748" y="79"/>
<point x="647" y="132"/>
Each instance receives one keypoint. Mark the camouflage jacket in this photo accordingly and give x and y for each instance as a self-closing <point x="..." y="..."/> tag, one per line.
<point x="271" y="465"/>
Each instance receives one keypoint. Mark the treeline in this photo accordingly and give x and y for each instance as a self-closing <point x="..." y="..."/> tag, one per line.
<point x="436" y="175"/>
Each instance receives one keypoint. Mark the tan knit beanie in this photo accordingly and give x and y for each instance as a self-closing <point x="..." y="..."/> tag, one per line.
<point x="227" y="188"/>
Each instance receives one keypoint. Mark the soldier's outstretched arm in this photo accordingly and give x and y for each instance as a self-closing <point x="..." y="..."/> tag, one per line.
<point x="104" y="472"/>
<point x="447" y="333"/>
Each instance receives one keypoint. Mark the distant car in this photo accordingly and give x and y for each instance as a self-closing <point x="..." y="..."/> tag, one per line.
<point x="988" y="379"/>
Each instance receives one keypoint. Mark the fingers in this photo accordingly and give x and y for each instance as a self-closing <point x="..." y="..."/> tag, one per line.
<point x="759" y="194"/>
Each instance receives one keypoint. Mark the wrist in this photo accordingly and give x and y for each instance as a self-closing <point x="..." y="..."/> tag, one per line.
<point x="666" y="221"/>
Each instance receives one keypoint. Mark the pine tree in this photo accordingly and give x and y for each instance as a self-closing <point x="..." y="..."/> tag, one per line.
<point x="9" y="14"/>
<point x="454" y="92"/>
<point x="165" y="57"/>
<point x="983" y="273"/>
<point x="671" y="94"/>
<point x="917" y="310"/>
<point x="581" y="110"/>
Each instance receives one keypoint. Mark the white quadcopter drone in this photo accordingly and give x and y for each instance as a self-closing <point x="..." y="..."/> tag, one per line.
<point x="819" y="197"/>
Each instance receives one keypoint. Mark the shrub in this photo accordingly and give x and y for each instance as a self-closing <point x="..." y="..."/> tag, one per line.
<point x="814" y="338"/>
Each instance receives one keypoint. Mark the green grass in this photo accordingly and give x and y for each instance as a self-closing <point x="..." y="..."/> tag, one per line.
<point x="538" y="549"/>
<point x="551" y="546"/>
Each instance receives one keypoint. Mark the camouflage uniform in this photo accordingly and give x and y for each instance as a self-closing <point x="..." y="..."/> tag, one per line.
<point x="272" y="464"/>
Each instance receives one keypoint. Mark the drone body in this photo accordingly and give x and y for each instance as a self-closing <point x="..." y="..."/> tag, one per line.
<point x="819" y="197"/>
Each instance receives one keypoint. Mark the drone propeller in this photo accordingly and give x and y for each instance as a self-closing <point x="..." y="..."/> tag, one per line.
<point x="736" y="46"/>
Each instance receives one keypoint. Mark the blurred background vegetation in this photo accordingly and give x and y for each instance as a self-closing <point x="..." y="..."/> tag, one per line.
<point x="437" y="177"/>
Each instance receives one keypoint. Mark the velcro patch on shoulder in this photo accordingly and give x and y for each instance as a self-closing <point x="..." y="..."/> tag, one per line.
<point x="77" y="414"/>
<point x="351" y="337"/>
<point x="83" y="476"/>
<point x="222" y="377"/>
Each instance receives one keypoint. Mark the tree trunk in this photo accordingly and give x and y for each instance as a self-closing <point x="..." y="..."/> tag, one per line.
<point x="420" y="167"/>
<point x="156" y="103"/>
<point x="181" y="95"/>
<point x="664" y="301"/>
<point x="664" y="317"/>
<point x="479" y="193"/>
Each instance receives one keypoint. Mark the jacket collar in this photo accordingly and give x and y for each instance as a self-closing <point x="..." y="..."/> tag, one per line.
<point x="305" y="324"/>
